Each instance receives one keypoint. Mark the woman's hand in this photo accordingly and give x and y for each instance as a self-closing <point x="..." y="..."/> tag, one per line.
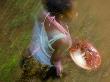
<point x="59" y="68"/>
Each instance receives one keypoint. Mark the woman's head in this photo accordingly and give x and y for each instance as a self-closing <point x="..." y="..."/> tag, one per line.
<point x="60" y="8"/>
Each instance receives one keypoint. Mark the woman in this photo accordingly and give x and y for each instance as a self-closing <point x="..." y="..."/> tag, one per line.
<point x="51" y="37"/>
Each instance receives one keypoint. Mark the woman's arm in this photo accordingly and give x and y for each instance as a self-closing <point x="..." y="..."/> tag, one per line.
<point x="60" y="46"/>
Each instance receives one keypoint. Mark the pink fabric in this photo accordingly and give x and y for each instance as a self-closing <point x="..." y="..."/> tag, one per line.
<point x="52" y="20"/>
<point x="37" y="49"/>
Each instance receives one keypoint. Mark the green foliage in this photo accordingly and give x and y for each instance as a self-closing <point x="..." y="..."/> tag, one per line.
<point x="18" y="16"/>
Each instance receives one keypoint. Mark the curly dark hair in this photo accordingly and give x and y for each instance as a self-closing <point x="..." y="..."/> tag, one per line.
<point x="58" y="7"/>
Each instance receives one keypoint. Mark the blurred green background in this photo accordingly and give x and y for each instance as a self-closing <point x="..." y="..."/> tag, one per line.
<point x="16" y="24"/>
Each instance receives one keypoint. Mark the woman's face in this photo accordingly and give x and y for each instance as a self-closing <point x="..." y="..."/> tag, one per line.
<point x="70" y="15"/>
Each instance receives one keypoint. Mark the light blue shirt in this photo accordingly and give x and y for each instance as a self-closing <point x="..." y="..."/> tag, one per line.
<point x="41" y="46"/>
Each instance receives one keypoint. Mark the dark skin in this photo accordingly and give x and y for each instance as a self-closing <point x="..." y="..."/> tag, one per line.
<point x="60" y="46"/>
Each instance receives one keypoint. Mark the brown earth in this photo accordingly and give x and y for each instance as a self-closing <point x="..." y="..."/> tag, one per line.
<point x="16" y="23"/>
